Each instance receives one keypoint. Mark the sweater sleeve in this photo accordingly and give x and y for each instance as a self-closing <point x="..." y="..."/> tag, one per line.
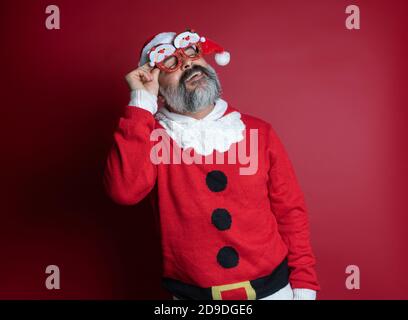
<point x="129" y="174"/>
<point x="288" y="205"/>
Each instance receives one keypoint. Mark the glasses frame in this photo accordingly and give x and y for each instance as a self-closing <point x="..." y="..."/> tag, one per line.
<point x="179" y="54"/>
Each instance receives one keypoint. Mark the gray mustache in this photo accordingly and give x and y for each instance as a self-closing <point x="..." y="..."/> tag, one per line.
<point x="189" y="72"/>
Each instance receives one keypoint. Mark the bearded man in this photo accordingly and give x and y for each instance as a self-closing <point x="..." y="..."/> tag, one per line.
<point x="225" y="233"/>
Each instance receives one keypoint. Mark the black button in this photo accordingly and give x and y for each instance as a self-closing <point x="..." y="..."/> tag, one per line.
<point x="216" y="181"/>
<point x="227" y="257"/>
<point x="221" y="219"/>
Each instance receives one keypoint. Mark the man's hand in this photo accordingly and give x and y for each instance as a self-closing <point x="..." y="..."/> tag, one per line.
<point x="145" y="77"/>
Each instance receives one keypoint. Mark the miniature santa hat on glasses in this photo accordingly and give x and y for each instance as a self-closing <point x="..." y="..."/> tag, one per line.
<point x="208" y="46"/>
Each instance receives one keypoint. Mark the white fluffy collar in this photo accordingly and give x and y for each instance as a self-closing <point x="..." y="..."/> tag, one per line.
<point x="214" y="132"/>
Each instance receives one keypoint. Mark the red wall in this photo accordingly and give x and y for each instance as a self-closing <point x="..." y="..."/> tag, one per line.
<point x="336" y="97"/>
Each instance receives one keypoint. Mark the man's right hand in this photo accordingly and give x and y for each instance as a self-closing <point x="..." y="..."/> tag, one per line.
<point x="145" y="77"/>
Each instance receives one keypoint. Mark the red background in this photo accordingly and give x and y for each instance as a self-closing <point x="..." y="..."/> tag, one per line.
<point x="336" y="97"/>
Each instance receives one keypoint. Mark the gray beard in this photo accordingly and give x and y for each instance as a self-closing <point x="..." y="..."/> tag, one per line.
<point x="182" y="100"/>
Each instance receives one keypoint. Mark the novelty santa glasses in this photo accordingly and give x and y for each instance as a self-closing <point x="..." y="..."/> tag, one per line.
<point x="168" y="57"/>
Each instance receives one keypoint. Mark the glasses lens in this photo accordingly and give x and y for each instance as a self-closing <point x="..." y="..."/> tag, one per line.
<point x="192" y="51"/>
<point x="170" y="62"/>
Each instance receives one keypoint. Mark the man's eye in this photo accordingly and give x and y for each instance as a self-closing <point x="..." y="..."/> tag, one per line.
<point x="170" y="62"/>
<point x="191" y="51"/>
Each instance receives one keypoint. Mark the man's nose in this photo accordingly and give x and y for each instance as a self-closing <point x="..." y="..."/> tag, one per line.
<point x="186" y="63"/>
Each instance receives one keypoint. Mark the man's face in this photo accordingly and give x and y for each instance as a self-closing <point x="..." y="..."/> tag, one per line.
<point x="191" y="88"/>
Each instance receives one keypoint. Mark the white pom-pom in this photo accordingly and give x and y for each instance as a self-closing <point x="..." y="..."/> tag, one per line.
<point x="202" y="39"/>
<point x="151" y="63"/>
<point x="223" y="58"/>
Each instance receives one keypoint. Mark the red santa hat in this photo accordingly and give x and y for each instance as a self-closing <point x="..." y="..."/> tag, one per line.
<point x="208" y="46"/>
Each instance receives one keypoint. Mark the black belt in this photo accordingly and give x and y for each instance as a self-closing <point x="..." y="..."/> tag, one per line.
<point x="255" y="289"/>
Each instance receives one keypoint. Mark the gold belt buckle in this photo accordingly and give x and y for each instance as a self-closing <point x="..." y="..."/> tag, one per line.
<point x="216" y="290"/>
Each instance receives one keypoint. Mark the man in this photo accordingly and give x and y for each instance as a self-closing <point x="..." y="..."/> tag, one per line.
<point x="227" y="232"/>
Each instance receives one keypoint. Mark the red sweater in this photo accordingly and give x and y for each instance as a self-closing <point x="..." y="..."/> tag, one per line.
<point x="260" y="219"/>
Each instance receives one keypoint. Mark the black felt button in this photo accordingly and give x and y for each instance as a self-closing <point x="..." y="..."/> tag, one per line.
<point x="216" y="180"/>
<point x="221" y="219"/>
<point x="227" y="257"/>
